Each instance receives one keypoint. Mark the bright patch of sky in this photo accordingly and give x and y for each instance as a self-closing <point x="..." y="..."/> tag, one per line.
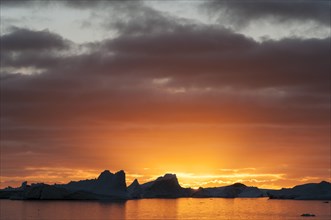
<point x="70" y="23"/>
<point x="259" y="30"/>
<point x="86" y="25"/>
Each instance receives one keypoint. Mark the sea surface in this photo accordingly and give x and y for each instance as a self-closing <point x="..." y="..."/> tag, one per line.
<point x="183" y="208"/>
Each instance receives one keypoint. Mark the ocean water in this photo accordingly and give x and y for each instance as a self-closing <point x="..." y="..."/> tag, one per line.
<point x="183" y="208"/>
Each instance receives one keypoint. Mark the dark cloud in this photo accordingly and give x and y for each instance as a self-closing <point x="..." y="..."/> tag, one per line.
<point x="218" y="57"/>
<point x="242" y="12"/>
<point x="184" y="40"/>
<point x="212" y="68"/>
<point x="34" y="59"/>
<point x="139" y="19"/>
<point x="21" y="39"/>
<point x="81" y="4"/>
<point x="11" y="3"/>
<point x="24" y="48"/>
<point x="76" y="4"/>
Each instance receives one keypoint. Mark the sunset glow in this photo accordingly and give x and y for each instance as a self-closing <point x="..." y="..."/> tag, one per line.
<point x="153" y="88"/>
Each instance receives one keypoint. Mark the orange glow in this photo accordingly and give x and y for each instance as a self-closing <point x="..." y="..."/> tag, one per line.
<point x="204" y="156"/>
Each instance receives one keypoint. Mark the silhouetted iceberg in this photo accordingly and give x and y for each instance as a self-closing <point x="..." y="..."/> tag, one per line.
<point x="252" y="192"/>
<point x="45" y="192"/>
<point x="310" y="191"/>
<point x="203" y="193"/>
<point x="166" y="186"/>
<point x="109" y="186"/>
<point x="35" y="192"/>
<point x="14" y="193"/>
<point x="135" y="190"/>
<point x="237" y="190"/>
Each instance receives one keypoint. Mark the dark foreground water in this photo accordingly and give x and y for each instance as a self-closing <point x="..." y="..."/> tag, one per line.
<point x="184" y="208"/>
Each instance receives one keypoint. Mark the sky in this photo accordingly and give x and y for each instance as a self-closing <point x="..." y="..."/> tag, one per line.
<point x="217" y="92"/>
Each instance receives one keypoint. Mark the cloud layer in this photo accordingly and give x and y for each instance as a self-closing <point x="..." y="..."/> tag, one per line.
<point x="243" y="12"/>
<point x="166" y="86"/>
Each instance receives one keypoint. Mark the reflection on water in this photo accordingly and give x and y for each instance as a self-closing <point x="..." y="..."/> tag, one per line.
<point x="184" y="208"/>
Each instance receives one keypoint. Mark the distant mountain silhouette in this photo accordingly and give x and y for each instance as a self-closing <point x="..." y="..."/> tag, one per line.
<point x="109" y="186"/>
